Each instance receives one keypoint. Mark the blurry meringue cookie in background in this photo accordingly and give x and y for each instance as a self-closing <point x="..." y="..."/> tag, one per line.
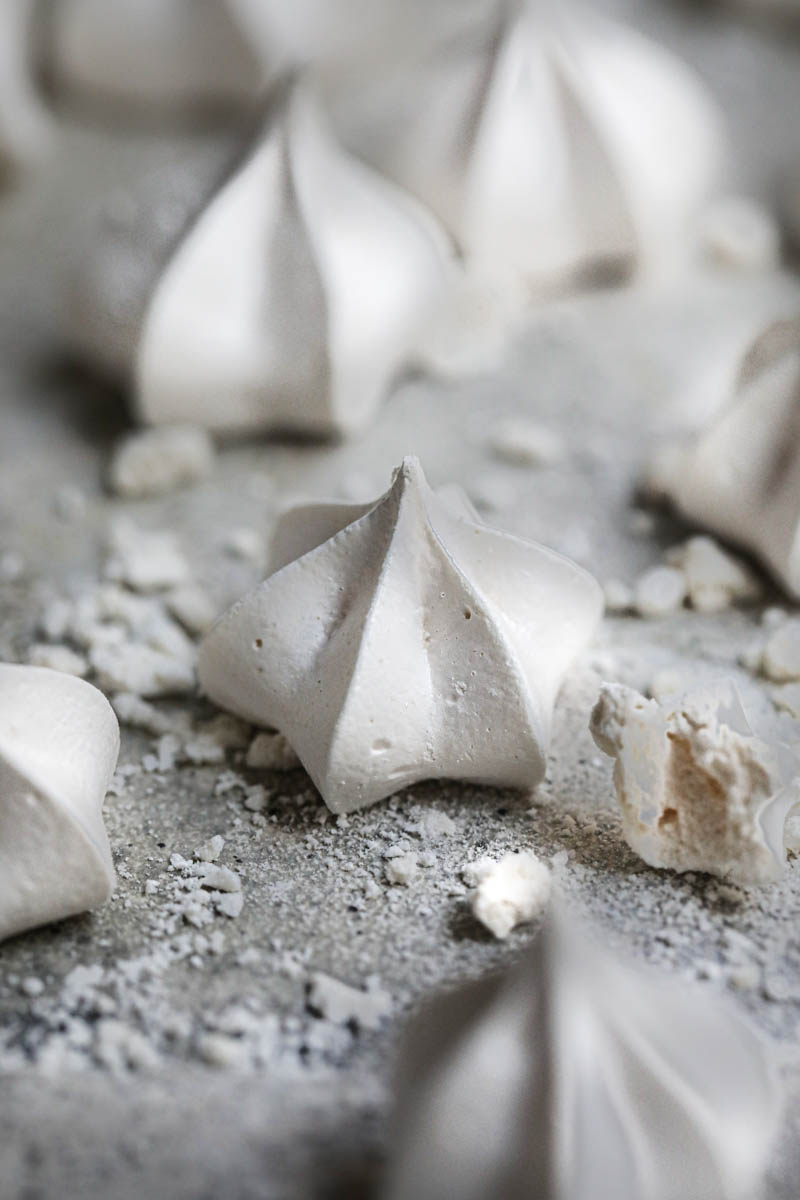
<point x="153" y="57"/>
<point x="286" y="298"/>
<point x="552" y="142"/>
<point x="574" y="1077"/>
<point x="25" y="129"/>
<point x="739" y="477"/>
<point x="55" y="860"/>
<point x="403" y="640"/>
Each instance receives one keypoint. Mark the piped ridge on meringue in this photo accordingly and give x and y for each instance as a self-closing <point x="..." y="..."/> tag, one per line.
<point x="403" y="641"/>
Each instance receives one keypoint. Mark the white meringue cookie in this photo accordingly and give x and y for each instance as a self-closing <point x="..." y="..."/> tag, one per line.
<point x="403" y="641"/>
<point x="553" y="143"/>
<point x="24" y="125"/>
<point x="59" y="741"/>
<point x="740" y="477"/>
<point x="153" y="55"/>
<point x="698" y="790"/>
<point x="296" y="296"/>
<point x="576" y="1077"/>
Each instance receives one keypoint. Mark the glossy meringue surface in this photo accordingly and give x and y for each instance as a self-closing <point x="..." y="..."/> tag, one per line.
<point x="297" y="295"/>
<point x="55" y="860"/>
<point x="574" y="1077"/>
<point x="402" y="641"/>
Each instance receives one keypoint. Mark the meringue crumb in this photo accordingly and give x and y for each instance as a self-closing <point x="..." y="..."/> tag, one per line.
<point x="157" y="461"/>
<point x="511" y="891"/>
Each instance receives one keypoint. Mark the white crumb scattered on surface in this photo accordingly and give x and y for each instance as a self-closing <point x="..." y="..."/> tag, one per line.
<point x="698" y="791"/>
<point x="715" y="579"/>
<point x="155" y="461"/>
<point x="193" y="607"/>
<point x="511" y="891"/>
<point x="526" y="443"/>
<point x="137" y="713"/>
<point x="141" y="670"/>
<point x="58" y="658"/>
<point x="434" y="824"/>
<point x="659" y="592"/>
<point x="271" y="752"/>
<point x="210" y="851"/>
<point x="402" y="869"/>
<point x="147" y="561"/>
<point x="342" y="1004"/>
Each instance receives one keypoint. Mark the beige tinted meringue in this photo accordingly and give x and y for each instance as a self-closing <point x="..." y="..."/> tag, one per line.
<point x="153" y="54"/>
<point x="403" y="640"/>
<point x="698" y="790"/>
<point x="296" y="296"/>
<point x="575" y="1077"/>
<point x="740" y="477"/>
<point x="59" y="741"/>
<point x="549" y="142"/>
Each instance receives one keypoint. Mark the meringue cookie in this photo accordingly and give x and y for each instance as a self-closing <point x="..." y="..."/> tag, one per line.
<point x="24" y="125"/>
<point x="575" y="1077"/>
<point x="698" y="790"/>
<point x="740" y="477"/>
<point x="59" y="741"/>
<point x="153" y="55"/>
<point x="401" y="641"/>
<point x="296" y="296"/>
<point x="553" y="143"/>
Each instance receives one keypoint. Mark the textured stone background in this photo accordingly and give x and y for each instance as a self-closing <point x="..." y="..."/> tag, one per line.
<point x="611" y="371"/>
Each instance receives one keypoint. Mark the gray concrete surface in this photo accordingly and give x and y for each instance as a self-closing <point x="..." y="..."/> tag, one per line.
<point x="306" y="1114"/>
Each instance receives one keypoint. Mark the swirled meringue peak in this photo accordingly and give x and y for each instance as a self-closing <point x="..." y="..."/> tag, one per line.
<point x="297" y="295"/>
<point x="59" y="741"/>
<point x="575" y="1077"/>
<point x="551" y="143"/>
<point x="403" y="640"/>
<point x="740" y="477"/>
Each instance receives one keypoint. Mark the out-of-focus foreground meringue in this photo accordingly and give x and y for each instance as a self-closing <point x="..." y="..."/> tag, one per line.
<point x="24" y="125"/>
<point x="698" y="790"/>
<point x="152" y="55"/>
<point x="59" y="741"/>
<point x="740" y="477"/>
<point x="574" y="1077"/>
<point x="401" y="641"/>
<point x="551" y="142"/>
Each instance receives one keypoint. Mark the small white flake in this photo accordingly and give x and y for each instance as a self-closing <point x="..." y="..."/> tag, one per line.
<point x="403" y="869"/>
<point x="271" y="752"/>
<point x="659" y="592"/>
<point x="146" y="561"/>
<point x="342" y="1005"/>
<point x="512" y="891"/>
<point x="157" y="461"/>
<point x="210" y="851"/>
<point x="58" y="658"/>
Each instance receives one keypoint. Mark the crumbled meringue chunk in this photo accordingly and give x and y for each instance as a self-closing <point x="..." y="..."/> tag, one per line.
<point x="342" y="1005"/>
<point x="464" y="635"/>
<point x="58" y="658"/>
<point x="271" y="752"/>
<point x="145" y="561"/>
<point x="511" y="891"/>
<point x="659" y="592"/>
<point x="156" y="461"/>
<point x="698" y="791"/>
<point x="715" y="579"/>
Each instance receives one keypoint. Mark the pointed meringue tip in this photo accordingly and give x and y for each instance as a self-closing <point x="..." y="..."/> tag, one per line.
<point x="409" y="472"/>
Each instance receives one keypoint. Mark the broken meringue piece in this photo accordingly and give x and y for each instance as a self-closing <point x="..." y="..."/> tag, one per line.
<point x="296" y="296"/>
<point x="740" y="477"/>
<point x="403" y="640"/>
<point x="574" y="1077"/>
<point x="153" y="56"/>
<point x="698" y="790"/>
<point x="59" y="741"/>
<point x="551" y="142"/>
